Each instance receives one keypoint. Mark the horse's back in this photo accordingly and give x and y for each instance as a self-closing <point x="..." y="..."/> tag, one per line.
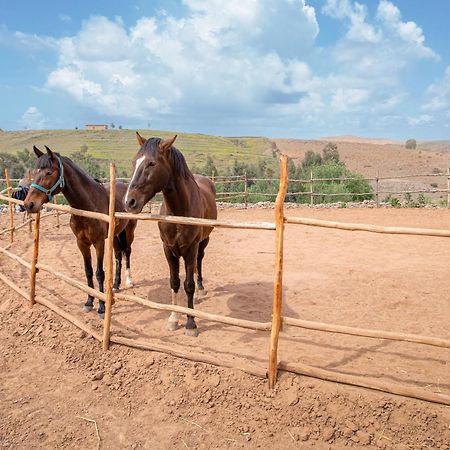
<point x="208" y="193"/>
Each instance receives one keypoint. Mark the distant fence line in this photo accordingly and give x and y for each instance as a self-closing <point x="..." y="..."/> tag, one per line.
<point x="245" y="194"/>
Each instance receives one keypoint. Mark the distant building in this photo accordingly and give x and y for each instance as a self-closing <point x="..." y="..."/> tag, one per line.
<point x="96" y="127"/>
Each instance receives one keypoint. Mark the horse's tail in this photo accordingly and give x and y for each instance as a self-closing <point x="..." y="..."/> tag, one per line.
<point x="122" y="238"/>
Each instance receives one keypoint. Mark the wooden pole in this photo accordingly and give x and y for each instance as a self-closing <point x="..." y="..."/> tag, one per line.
<point x="378" y="188"/>
<point x="30" y="227"/>
<point x="362" y="381"/>
<point x="34" y="261"/>
<point x="311" y="192"/>
<point x="245" y="189"/>
<point x="448" y="187"/>
<point x="55" y="201"/>
<point x="368" y="228"/>
<point x="10" y="206"/>
<point x="278" y="281"/>
<point x="109" y="257"/>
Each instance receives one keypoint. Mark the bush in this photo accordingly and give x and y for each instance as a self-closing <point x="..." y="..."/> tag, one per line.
<point x="411" y="144"/>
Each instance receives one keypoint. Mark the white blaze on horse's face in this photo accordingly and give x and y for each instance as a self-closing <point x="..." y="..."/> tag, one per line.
<point x="139" y="161"/>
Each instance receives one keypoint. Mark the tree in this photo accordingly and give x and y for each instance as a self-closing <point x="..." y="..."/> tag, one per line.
<point x="311" y="159"/>
<point x="411" y="144"/>
<point x="120" y="127"/>
<point x="87" y="162"/>
<point x="330" y="152"/>
<point x="112" y="125"/>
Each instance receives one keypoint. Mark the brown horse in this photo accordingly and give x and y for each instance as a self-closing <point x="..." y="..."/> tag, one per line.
<point x="56" y="173"/>
<point x="160" y="167"/>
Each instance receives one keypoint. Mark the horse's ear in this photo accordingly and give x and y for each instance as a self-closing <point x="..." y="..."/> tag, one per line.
<point x="167" y="143"/>
<point x="49" y="152"/>
<point x="37" y="152"/>
<point x="140" y="139"/>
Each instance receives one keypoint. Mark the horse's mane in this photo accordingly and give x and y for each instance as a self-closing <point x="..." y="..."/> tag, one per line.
<point x="45" y="162"/>
<point x="176" y="158"/>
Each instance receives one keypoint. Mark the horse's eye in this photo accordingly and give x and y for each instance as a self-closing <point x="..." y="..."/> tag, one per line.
<point x="49" y="173"/>
<point x="152" y="163"/>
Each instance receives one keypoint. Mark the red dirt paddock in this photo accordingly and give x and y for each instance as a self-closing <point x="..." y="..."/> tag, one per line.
<point x="277" y="319"/>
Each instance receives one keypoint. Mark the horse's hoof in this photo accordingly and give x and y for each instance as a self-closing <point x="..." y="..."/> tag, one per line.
<point x="172" y="326"/>
<point x="115" y="289"/>
<point x="200" y="293"/>
<point x="101" y="316"/>
<point x="129" y="284"/>
<point x="192" y="332"/>
<point x="87" y="308"/>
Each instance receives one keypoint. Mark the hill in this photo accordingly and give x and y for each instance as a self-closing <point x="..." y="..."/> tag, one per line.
<point x="121" y="146"/>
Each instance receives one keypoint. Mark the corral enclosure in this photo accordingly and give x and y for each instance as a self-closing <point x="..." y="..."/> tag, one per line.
<point x="384" y="282"/>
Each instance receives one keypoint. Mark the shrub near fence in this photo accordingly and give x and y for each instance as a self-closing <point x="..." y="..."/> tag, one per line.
<point x="277" y="319"/>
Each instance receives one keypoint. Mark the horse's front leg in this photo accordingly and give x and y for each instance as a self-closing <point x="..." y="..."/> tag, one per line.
<point x="174" y="266"/>
<point x="118" y="257"/>
<point x="85" y="250"/>
<point x="100" y="274"/>
<point x="190" y="262"/>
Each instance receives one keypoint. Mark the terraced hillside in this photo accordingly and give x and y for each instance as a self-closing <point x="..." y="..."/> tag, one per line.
<point x="121" y="145"/>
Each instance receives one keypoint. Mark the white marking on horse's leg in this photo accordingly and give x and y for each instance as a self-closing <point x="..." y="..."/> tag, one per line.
<point x="172" y="323"/>
<point x="138" y="163"/>
<point x="129" y="280"/>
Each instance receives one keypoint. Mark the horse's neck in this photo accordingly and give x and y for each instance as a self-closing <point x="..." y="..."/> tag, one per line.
<point x="177" y="196"/>
<point x="80" y="190"/>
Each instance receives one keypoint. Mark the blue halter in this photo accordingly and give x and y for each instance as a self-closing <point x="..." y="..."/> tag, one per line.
<point x="59" y="183"/>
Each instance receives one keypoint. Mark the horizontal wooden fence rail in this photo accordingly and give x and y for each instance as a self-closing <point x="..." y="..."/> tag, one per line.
<point x="197" y="221"/>
<point x="353" y="380"/>
<point x="363" y="332"/>
<point x="369" y="228"/>
<point x="249" y="324"/>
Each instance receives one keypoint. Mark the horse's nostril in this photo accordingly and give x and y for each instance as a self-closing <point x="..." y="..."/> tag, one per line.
<point x="132" y="203"/>
<point x="30" y="206"/>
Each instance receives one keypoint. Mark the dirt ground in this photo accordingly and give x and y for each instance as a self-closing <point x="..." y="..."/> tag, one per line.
<point x="54" y="377"/>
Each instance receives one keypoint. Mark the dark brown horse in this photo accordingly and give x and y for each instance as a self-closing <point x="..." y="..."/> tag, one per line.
<point x="160" y="167"/>
<point x="56" y="173"/>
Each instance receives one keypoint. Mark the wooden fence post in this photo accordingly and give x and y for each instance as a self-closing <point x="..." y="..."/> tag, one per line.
<point x="34" y="261"/>
<point x="109" y="257"/>
<point x="311" y="192"/>
<point x="278" y="281"/>
<point x="55" y="201"/>
<point x="30" y="224"/>
<point x="448" y="187"/>
<point x="377" y="189"/>
<point x="10" y="206"/>
<point x="245" y="189"/>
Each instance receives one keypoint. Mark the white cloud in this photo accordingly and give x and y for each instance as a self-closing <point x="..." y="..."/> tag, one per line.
<point x="438" y="95"/>
<point x="229" y="55"/>
<point x="423" y="119"/>
<point x="409" y="32"/>
<point x="225" y="65"/>
<point x="359" y="29"/>
<point x="33" y="119"/>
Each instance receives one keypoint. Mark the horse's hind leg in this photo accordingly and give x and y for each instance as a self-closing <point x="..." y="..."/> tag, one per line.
<point x="85" y="250"/>
<point x="118" y="257"/>
<point x="174" y="266"/>
<point x="190" y="261"/>
<point x="200" y="291"/>
<point x="100" y="274"/>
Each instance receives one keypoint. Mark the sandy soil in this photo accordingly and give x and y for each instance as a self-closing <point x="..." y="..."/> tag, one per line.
<point x="52" y="374"/>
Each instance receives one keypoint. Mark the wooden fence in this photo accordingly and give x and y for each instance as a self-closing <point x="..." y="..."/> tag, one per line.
<point x="246" y="182"/>
<point x="278" y="320"/>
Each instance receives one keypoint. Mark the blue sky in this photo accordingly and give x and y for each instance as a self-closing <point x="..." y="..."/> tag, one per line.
<point x="278" y="68"/>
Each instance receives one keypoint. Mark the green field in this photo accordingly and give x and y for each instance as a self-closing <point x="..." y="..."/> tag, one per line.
<point x="121" y="145"/>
